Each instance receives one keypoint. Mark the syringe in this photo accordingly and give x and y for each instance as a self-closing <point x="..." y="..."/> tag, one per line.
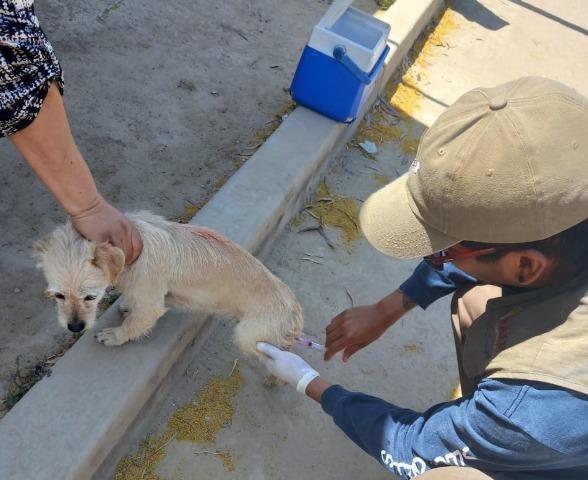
<point x="309" y="343"/>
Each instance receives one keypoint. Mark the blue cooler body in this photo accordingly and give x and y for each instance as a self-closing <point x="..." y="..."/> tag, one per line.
<point x="341" y="61"/>
<point x="330" y="86"/>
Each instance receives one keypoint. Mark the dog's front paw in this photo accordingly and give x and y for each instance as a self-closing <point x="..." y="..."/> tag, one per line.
<point x="111" y="337"/>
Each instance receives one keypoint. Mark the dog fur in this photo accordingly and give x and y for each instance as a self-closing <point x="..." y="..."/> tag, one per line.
<point x="184" y="266"/>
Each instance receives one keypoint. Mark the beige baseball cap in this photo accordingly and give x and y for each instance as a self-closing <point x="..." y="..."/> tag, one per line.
<point x="507" y="164"/>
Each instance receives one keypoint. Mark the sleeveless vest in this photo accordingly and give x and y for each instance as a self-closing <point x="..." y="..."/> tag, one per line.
<point x="539" y="335"/>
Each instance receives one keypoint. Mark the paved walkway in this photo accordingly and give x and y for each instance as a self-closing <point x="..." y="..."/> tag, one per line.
<point x="494" y="41"/>
<point x="278" y="434"/>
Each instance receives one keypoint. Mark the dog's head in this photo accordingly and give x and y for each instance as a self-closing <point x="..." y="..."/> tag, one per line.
<point x="78" y="272"/>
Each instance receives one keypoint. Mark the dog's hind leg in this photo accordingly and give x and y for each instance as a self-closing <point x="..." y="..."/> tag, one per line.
<point x="140" y="319"/>
<point x="279" y="330"/>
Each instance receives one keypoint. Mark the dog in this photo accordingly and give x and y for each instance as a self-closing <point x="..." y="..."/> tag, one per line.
<point x="181" y="265"/>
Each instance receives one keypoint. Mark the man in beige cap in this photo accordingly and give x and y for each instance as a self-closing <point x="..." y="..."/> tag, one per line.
<point x="496" y="202"/>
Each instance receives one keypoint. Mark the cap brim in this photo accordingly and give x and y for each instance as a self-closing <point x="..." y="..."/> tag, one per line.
<point x="389" y="224"/>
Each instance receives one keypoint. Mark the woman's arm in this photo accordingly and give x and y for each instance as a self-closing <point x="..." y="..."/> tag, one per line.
<point x="49" y="148"/>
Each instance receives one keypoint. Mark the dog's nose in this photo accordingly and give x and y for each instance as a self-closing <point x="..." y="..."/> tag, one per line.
<point x="76" y="326"/>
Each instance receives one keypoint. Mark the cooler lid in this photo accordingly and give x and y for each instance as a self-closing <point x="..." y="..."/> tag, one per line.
<point x="362" y="35"/>
<point x="337" y="8"/>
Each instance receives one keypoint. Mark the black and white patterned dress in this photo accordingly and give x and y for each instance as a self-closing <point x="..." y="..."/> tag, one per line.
<point x="28" y="65"/>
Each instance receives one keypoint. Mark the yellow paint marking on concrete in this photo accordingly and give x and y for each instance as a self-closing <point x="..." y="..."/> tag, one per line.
<point x="403" y="93"/>
<point x="199" y="421"/>
<point x="413" y="348"/>
<point x="381" y="180"/>
<point x="262" y="135"/>
<point x="196" y="422"/>
<point x="407" y="96"/>
<point x="336" y="211"/>
<point x="189" y="211"/>
<point x="380" y="131"/>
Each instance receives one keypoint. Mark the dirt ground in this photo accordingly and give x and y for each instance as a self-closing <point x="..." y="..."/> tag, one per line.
<point x="166" y="100"/>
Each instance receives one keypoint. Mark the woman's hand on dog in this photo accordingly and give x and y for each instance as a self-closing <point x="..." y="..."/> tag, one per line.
<point x="101" y="222"/>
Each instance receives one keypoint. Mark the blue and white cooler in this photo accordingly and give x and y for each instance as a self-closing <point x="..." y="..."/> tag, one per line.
<point x="339" y="65"/>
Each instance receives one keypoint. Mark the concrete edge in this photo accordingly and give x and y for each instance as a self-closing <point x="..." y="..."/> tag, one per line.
<point x="68" y="423"/>
<point x="251" y="207"/>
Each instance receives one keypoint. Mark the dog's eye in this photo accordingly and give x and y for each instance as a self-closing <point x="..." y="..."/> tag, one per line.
<point x="89" y="298"/>
<point x="59" y="296"/>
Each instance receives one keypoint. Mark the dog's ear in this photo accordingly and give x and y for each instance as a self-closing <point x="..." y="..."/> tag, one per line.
<point x="39" y="250"/>
<point x="109" y="259"/>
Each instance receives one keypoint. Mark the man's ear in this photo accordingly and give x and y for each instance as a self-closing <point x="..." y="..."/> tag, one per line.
<point x="109" y="259"/>
<point x="532" y="267"/>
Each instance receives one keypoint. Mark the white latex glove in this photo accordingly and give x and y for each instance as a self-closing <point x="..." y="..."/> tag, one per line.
<point x="287" y="366"/>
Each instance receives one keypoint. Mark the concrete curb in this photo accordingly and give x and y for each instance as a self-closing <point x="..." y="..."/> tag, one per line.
<point x="66" y="426"/>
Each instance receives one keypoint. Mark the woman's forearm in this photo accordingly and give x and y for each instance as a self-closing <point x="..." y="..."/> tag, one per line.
<point x="49" y="148"/>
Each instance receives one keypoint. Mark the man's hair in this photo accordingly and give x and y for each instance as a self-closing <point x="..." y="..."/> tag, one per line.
<point x="568" y="248"/>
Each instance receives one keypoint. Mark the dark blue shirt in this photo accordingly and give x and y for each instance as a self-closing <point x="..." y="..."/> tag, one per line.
<point x="537" y="430"/>
<point x="426" y="284"/>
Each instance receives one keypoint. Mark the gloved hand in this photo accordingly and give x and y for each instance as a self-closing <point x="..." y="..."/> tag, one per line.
<point x="287" y="366"/>
<point x="103" y="223"/>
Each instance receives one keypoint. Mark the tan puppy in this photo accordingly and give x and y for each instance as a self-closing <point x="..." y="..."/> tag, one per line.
<point x="181" y="265"/>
